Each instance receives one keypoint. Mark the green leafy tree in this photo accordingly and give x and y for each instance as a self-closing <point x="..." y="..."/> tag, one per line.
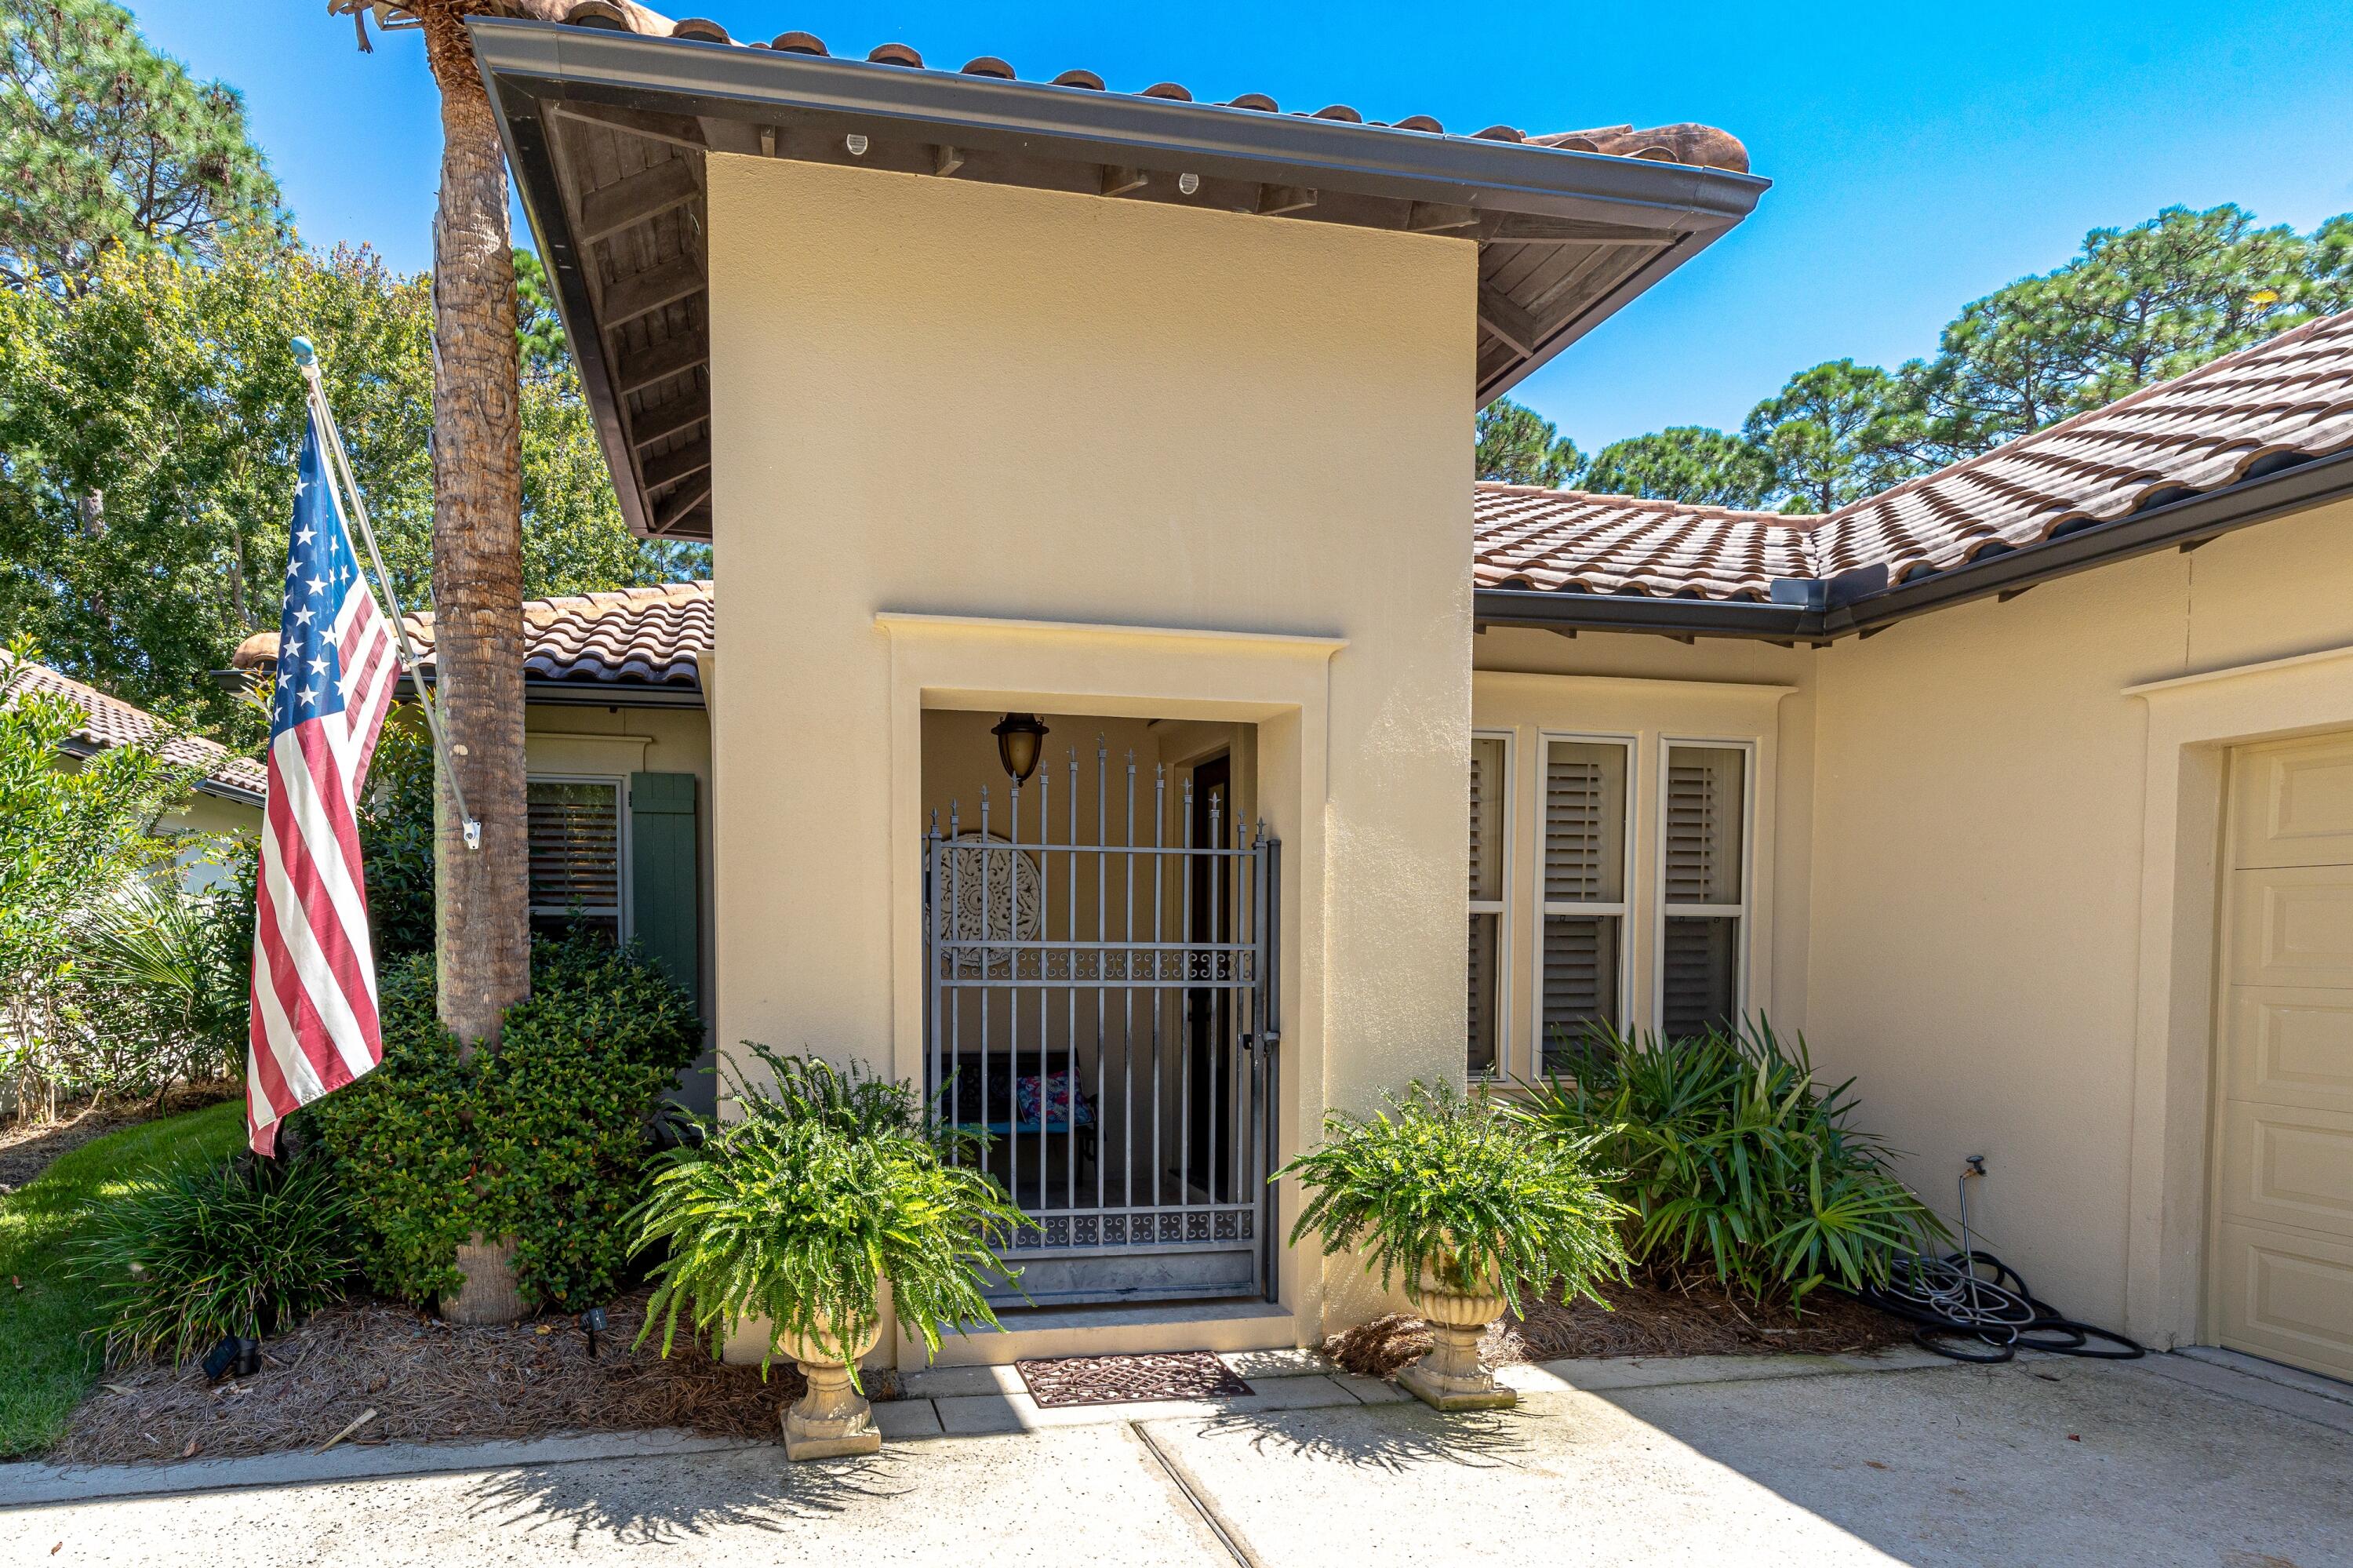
<point x="149" y="425"/>
<point x="111" y="147"/>
<point x="69" y="838"/>
<point x="1690" y="463"/>
<point x="1519" y="446"/>
<point x="2136" y="306"/>
<point x="539" y="330"/>
<point x="1835" y="433"/>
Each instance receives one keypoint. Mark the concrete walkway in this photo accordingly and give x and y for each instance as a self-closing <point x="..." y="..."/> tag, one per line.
<point x="1815" y="1461"/>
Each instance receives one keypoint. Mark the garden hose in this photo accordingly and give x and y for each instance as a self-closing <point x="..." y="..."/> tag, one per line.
<point x="1970" y="1306"/>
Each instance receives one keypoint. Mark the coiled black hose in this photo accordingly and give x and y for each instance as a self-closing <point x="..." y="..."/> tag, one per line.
<point x="1972" y="1307"/>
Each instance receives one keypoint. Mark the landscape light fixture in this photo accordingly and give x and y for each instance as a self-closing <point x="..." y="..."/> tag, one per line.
<point x="1018" y="739"/>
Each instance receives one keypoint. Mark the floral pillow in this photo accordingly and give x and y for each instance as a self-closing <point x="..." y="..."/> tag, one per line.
<point x="1055" y="1101"/>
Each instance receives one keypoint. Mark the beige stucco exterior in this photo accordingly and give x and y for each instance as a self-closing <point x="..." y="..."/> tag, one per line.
<point x="2018" y="812"/>
<point x="981" y="448"/>
<point x="1991" y="880"/>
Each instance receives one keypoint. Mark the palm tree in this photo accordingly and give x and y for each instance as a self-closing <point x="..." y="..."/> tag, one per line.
<point x="483" y="940"/>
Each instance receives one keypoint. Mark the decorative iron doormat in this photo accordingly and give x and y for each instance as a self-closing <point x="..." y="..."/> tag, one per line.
<point x="1129" y="1380"/>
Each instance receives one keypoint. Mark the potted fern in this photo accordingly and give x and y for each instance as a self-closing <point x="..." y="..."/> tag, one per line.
<point x="1474" y="1206"/>
<point x="830" y="1183"/>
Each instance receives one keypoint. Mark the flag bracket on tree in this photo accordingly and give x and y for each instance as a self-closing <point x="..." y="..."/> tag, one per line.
<point x="307" y="358"/>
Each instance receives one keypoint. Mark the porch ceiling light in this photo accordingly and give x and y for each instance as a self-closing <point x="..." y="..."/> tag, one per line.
<point x="1017" y="738"/>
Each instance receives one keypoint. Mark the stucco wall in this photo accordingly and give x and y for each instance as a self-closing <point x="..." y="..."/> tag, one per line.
<point x="1976" y="936"/>
<point x="958" y="400"/>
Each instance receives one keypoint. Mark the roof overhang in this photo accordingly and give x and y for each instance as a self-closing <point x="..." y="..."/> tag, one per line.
<point x="606" y="132"/>
<point x="1859" y="606"/>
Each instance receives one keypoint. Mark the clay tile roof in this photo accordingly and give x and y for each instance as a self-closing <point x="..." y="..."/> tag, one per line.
<point x="1527" y="537"/>
<point x="111" y="722"/>
<point x="2286" y="400"/>
<point x="2289" y="398"/>
<point x="628" y="637"/>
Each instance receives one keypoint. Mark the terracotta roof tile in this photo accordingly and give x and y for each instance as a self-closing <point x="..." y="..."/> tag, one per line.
<point x="640" y="636"/>
<point x="2291" y="396"/>
<point x="110" y="722"/>
<point x="1528" y="537"/>
<point x="1700" y="146"/>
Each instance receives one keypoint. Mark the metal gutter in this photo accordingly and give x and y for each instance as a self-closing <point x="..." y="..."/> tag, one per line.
<point x="551" y="61"/>
<point x="2181" y="524"/>
<point x="1556" y="611"/>
<point x="589" y="694"/>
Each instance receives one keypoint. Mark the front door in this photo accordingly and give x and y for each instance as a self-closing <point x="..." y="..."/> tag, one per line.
<point x="2282" y="1233"/>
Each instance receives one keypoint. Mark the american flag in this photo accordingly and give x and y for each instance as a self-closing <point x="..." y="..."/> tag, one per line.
<point x="314" y="1004"/>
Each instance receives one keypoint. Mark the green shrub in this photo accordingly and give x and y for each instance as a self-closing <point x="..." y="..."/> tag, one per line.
<point x="1464" y="1189"/>
<point x="194" y="1254"/>
<point x="1735" y="1160"/>
<point x="829" y="1184"/>
<point x="544" y="1137"/>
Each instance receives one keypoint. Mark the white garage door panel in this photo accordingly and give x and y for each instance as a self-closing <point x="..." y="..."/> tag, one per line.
<point x="2295" y="803"/>
<point x="2281" y="1226"/>
<point x="2288" y="1297"/>
<point x="2294" y="927"/>
<point x="2288" y="1168"/>
<point x="2294" y="1046"/>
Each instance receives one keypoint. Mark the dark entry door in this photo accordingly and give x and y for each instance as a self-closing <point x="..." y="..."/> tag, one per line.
<point x="1209" y="1062"/>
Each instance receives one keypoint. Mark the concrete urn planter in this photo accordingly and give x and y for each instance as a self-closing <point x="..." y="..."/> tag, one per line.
<point x="832" y="1418"/>
<point x="1451" y="1377"/>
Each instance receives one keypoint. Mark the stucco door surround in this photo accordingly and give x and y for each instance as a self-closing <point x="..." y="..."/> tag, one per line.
<point x="2193" y="723"/>
<point x="1278" y="683"/>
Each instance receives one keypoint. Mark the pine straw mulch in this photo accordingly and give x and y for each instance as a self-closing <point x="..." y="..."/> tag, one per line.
<point x="428" y="1382"/>
<point x="1650" y="1318"/>
<point x="27" y="1146"/>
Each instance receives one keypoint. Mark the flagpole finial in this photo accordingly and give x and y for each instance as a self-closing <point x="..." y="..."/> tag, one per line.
<point x="304" y="355"/>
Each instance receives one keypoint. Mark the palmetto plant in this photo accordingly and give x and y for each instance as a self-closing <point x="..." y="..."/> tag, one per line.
<point x="192" y="1255"/>
<point x="1736" y="1159"/>
<point x="830" y="1183"/>
<point x="1464" y="1189"/>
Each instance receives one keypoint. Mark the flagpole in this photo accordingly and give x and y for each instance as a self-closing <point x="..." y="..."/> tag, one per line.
<point x="308" y="358"/>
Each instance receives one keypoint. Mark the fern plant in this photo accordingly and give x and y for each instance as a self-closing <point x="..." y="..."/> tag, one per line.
<point x="829" y="1183"/>
<point x="1465" y="1191"/>
<point x="1737" y="1160"/>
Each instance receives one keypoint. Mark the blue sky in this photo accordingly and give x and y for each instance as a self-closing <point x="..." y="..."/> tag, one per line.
<point x="1922" y="154"/>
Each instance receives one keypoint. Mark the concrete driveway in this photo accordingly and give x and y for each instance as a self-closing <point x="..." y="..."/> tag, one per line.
<point x="2045" y="1461"/>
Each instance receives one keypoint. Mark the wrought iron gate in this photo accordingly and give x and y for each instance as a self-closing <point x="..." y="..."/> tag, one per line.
<point x="1106" y="1011"/>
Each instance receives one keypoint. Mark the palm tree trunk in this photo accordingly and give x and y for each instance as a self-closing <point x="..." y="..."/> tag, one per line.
<point x="483" y="935"/>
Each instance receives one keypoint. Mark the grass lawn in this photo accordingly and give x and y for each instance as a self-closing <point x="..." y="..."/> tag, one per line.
<point x="50" y="1360"/>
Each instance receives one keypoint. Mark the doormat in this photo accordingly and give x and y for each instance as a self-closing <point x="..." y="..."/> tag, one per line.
<point x="1128" y="1380"/>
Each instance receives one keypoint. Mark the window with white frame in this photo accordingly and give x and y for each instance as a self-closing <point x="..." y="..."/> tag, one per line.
<point x="578" y="868"/>
<point x="1491" y="840"/>
<point x="1581" y="979"/>
<point x="1703" y="887"/>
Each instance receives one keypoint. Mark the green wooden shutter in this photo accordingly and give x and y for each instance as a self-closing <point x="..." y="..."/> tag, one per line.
<point x="665" y="902"/>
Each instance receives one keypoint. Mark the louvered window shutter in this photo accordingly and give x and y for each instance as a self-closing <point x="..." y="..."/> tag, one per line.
<point x="1584" y="891"/>
<point x="1704" y="887"/>
<point x="1490" y="841"/>
<point x="575" y="852"/>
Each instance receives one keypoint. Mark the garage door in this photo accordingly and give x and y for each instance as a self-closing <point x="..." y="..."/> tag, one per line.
<point x="2283" y="1216"/>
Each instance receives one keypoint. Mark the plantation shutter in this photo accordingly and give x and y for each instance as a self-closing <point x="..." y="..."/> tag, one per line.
<point x="1704" y="876"/>
<point x="1489" y="839"/>
<point x="665" y="886"/>
<point x="574" y="837"/>
<point x="1584" y="890"/>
